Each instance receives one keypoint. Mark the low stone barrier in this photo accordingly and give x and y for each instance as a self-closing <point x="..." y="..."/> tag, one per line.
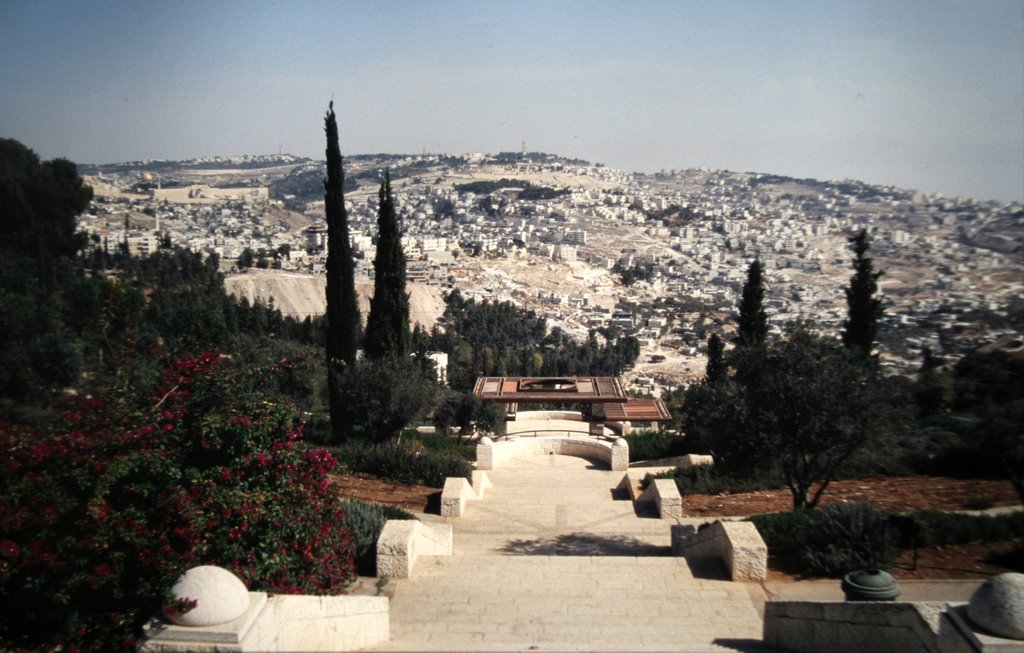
<point x="457" y="491"/>
<point x="403" y="541"/>
<point x="737" y="544"/>
<point x="490" y="454"/>
<point x="665" y="494"/>
<point x="882" y="627"/>
<point x="992" y="621"/>
<point x="234" y="619"/>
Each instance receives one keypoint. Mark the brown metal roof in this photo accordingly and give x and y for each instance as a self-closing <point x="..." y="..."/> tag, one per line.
<point x="550" y="389"/>
<point x="637" y="410"/>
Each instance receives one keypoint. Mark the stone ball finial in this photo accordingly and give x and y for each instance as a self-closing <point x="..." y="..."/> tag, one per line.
<point x="620" y="442"/>
<point x="486" y="441"/>
<point x="998" y="605"/>
<point x="220" y="597"/>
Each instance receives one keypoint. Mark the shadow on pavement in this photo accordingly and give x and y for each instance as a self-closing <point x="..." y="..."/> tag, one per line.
<point x="584" y="544"/>
<point x="745" y="645"/>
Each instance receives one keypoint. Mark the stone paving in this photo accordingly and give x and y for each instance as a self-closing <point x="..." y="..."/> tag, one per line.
<point x="554" y="558"/>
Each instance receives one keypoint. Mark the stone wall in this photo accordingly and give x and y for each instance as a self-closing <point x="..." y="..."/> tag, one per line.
<point x="490" y="454"/>
<point x="737" y="544"/>
<point x="853" y="627"/>
<point x="280" y="624"/>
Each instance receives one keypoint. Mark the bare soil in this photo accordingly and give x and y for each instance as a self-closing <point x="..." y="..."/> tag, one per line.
<point x="902" y="494"/>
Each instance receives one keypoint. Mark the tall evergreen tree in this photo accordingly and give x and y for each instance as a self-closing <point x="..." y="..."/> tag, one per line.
<point x="387" y="327"/>
<point x="342" y="306"/>
<point x="753" y="323"/>
<point x="716" y="370"/>
<point x="864" y="307"/>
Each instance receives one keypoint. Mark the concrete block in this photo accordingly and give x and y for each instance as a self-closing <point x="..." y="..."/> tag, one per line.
<point x="620" y="456"/>
<point x="737" y="544"/>
<point x="485" y="454"/>
<point x="481" y="481"/>
<point x="454" y="496"/>
<point x="403" y="541"/>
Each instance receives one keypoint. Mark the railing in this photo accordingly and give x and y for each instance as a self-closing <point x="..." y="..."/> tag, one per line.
<point x="555" y="433"/>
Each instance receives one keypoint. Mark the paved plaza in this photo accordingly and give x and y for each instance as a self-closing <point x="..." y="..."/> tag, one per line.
<point x="555" y="558"/>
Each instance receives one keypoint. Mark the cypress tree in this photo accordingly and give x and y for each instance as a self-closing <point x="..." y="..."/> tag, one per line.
<point x="864" y="307"/>
<point x="387" y="328"/>
<point x="342" y="306"/>
<point x="753" y="323"/>
<point x="716" y="370"/>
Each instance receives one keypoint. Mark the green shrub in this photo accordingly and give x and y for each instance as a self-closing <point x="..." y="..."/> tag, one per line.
<point x="99" y="517"/>
<point x="707" y="479"/>
<point x="933" y="528"/>
<point x="441" y="443"/>
<point x="403" y="462"/>
<point x="1011" y="558"/>
<point x="365" y="521"/>
<point x="832" y="541"/>
<point x="655" y="444"/>
<point x="841" y="538"/>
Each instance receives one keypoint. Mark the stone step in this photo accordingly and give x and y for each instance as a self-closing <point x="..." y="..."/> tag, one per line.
<point x="568" y="603"/>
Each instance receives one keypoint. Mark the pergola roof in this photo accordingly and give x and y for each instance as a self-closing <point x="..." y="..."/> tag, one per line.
<point x="607" y="391"/>
<point x="637" y="410"/>
<point x="550" y="389"/>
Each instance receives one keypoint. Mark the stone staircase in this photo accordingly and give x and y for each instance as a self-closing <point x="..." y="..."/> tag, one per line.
<point x="553" y="558"/>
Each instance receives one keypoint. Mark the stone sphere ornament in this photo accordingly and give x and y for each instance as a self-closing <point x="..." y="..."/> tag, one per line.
<point x="998" y="605"/>
<point x="219" y="597"/>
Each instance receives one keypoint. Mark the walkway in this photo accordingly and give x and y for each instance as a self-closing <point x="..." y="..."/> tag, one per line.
<point x="555" y="559"/>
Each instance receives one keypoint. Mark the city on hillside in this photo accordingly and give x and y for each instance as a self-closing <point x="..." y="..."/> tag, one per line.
<point x="661" y="256"/>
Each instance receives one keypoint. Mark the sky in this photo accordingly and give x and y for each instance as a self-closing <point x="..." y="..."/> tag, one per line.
<point x="927" y="95"/>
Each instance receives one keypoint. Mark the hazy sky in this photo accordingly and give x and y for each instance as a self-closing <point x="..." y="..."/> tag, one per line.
<point x="926" y="95"/>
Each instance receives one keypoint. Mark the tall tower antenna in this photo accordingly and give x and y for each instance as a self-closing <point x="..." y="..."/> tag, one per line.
<point x="524" y="146"/>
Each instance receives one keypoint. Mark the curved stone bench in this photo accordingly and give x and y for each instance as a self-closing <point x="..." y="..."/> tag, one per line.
<point x="490" y="454"/>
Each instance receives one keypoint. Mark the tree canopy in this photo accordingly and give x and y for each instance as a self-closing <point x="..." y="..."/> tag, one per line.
<point x="387" y="327"/>
<point x="864" y="308"/>
<point x="804" y="404"/>
<point x="342" y="303"/>
<point x="753" y="322"/>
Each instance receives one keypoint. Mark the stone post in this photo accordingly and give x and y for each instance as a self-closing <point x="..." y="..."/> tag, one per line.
<point x="485" y="454"/>
<point x="620" y="455"/>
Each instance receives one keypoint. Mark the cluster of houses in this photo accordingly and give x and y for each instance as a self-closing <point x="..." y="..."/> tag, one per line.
<point x="693" y="233"/>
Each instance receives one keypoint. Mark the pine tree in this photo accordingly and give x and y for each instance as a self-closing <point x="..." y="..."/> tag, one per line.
<point x="716" y="370"/>
<point x="864" y="308"/>
<point x="342" y="306"/>
<point x="387" y="328"/>
<point x="753" y="323"/>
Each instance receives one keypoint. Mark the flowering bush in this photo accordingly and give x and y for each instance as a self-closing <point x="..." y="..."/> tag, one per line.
<point x="98" y="519"/>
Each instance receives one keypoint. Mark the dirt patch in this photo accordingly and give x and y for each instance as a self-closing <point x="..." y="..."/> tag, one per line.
<point x="416" y="498"/>
<point x="898" y="494"/>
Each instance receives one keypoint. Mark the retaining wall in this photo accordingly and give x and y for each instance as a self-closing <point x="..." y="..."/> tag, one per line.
<point x="491" y="454"/>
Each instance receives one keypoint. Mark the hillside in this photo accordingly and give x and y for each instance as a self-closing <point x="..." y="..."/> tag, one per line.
<point x="300" y="295"/>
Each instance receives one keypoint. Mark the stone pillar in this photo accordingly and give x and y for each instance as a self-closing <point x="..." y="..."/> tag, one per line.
<point x="597" y="428"/>
<point x="485" y="453"/>
<point x="620" y="455"/>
